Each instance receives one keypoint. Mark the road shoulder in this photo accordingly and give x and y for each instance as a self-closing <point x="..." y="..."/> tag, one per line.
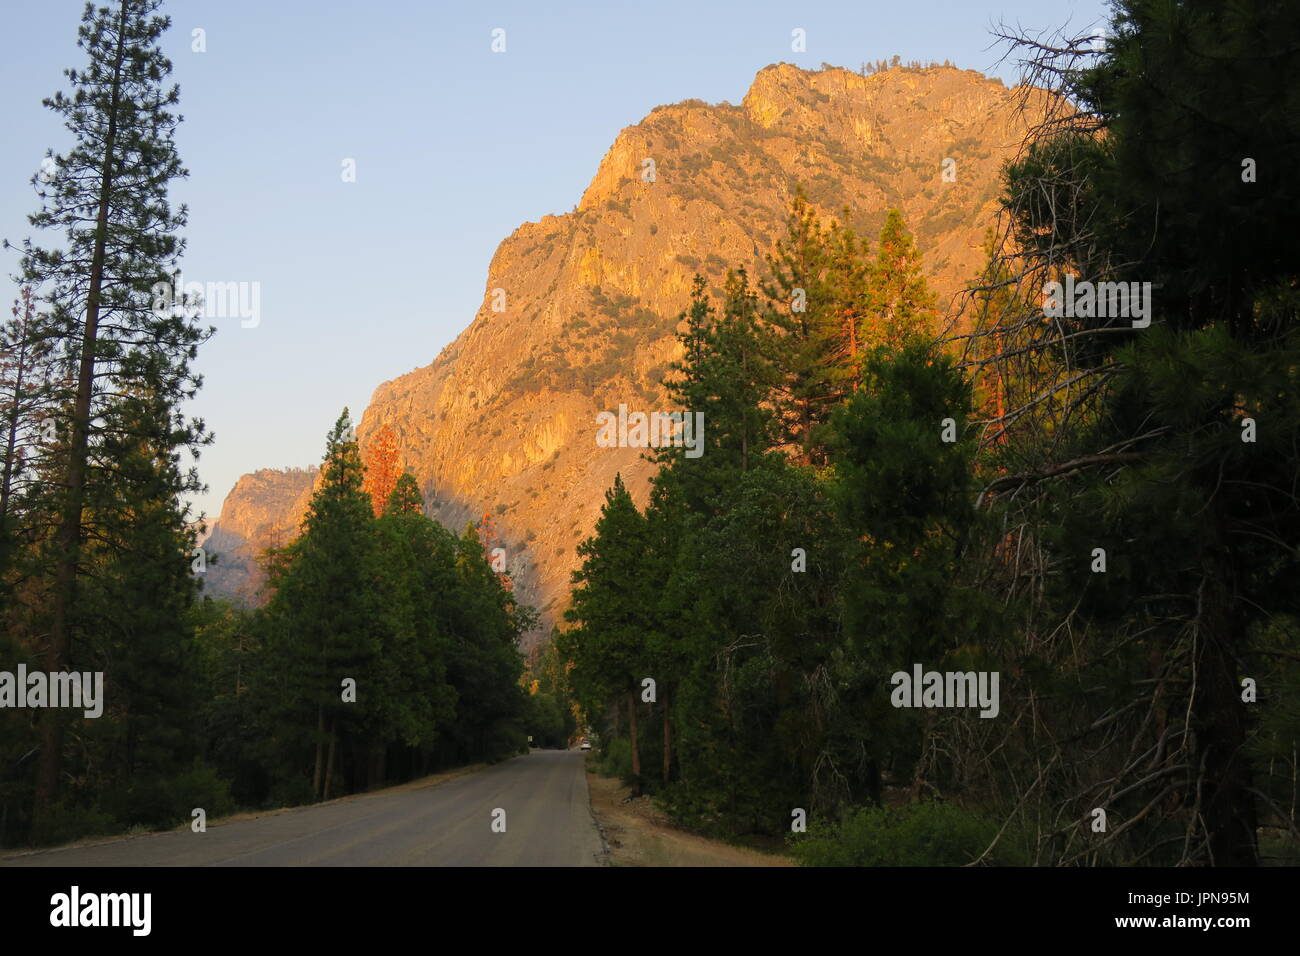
<point x="637" y="833"/>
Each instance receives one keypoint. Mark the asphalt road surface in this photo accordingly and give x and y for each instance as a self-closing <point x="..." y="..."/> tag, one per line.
<point x="547" y="823"/>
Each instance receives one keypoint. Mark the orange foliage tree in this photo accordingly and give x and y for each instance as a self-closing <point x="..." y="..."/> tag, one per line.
<point x="381" y="468"/>
<point x="487" y="532"/>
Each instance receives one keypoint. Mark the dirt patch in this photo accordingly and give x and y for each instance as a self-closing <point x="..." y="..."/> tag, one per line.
<point x="640" y="834"/>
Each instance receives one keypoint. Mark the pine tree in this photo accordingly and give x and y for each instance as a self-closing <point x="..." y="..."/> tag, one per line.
<point x="139" y="589"/>
<point x="850" y="269"/>
<point x="905" y="495"/>
<point x="405" y="497"/>
<point x="410" y="702"/>
<point x="802" y="305"/>
<point x="609" y="610"/>
<point x="899" y="304"/>
<point x="26" y="389"/>
<point x="322" y="616"/>
<point x="726" y="373"/>
<point x="485" y="622"/>
<point x="108" y="195"/>
<point x="1196" y="522"/>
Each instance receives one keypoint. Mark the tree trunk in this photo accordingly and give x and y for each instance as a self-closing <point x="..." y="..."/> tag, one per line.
<point x="320" y="752"/>
<point x="11" y="439"/>
<point x="59" y="649"/>
<point x="1219" y="719"/>
<point x="636" y="753"/>
<point x="375" y="767"/>
<point x="668" y="742"/>
<point x="329" y="763"/>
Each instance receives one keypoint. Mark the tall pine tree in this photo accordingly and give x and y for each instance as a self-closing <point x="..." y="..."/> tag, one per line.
<point x="127" y="362"/>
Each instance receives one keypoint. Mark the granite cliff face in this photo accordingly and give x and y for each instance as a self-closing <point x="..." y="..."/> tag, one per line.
<point x="262" y="511"/>
<point x="579" y="309"/>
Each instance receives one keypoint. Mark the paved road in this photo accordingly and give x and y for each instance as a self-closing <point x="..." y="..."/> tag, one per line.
<point x="544" y="794"/>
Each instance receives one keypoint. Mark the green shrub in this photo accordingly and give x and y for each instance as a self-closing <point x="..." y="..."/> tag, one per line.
<point x="200" y="786"/>
<point x="67" y="823"/>
<point x="157" y="802"/>
<point x="616" y="759"/>
<point x="918" y="834"/>
<point x="293" y="791"/>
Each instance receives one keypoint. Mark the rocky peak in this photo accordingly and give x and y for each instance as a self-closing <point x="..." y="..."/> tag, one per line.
<point x="503" y="420"/>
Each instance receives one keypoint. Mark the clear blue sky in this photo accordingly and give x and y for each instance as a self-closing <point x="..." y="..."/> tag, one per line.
<point x="455" y="146"/>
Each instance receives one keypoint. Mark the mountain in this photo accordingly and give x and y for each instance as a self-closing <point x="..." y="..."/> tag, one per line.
<point x="263" y="510"/>
<point x="579" y="309"/>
